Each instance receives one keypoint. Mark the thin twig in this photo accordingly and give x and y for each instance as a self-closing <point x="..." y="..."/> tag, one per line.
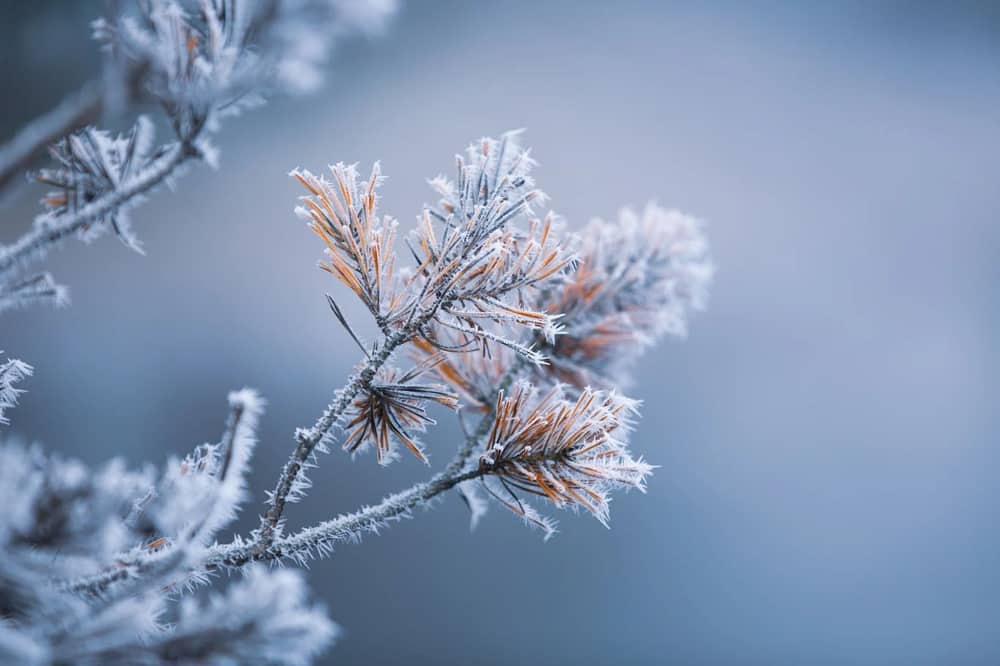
<point x="79" y="109"/>
<point x="346" y="527"/>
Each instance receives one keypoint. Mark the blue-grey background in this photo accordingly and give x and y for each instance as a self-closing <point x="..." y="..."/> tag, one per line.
<point x="827" y="435"/>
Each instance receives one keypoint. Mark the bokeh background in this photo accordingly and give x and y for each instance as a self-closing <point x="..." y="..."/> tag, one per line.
<point x="828" y="490"/>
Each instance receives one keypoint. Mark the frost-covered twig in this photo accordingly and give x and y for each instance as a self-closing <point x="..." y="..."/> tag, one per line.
<point x="198" y="62"/>
<point x="39" y="288"/>
<point x="290" y="482"/>
<point x="49" y="231"/>
<point x="320" y="539"/>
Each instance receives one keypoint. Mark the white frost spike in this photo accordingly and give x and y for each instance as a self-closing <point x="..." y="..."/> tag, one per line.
<point x="11" y="372"/>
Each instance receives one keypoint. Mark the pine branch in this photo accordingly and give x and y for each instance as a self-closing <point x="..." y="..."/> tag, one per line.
<point x="347" y="527"/>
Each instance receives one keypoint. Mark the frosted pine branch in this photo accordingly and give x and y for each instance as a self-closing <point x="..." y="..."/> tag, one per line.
<point x="320" y="539"/>
<point x="262" y="619"/>
<point x="199" y="62"/>
<point x="290" y="482"/>
<point x="479" y="257"/>
<point x="50" y="230"/>
<point x="90" y="559"/>
<point x="501" y="312"/>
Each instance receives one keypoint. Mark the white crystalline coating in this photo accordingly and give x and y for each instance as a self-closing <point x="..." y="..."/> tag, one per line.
<point x="12" y="372"/>
<point x="108" y="551"/>
<point x="37" y="289"/>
